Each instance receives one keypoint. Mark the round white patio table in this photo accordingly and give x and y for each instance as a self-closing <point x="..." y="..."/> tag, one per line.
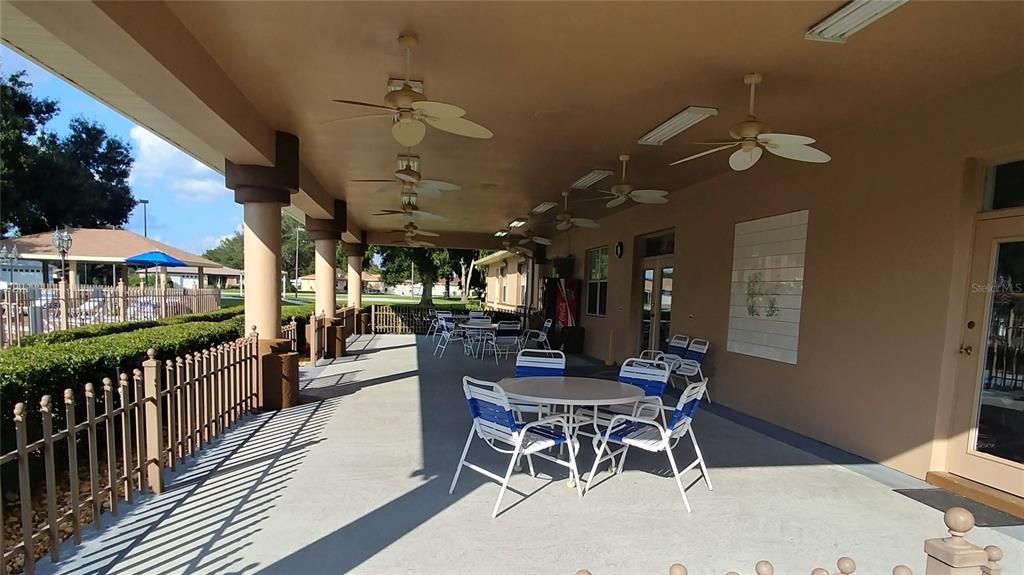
<point x="480" y="327"/>
<point x="570" y="392"/>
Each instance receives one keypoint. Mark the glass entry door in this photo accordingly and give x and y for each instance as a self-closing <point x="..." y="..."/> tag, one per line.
<point x="656" y="303"/>
<point x="987" y="443"/>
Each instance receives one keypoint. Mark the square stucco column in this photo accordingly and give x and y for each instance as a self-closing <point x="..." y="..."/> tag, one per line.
<point x="354" y="254"/>
<point x="263" y="191"/>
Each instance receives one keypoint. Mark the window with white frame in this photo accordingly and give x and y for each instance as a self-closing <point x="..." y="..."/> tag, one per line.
<point x="597" y="281"/>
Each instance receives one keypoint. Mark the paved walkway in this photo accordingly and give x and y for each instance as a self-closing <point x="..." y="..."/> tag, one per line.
<point x="356" y="481"/>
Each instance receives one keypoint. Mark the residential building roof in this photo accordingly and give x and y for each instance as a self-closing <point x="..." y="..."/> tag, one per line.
<point x="102" y="245"/>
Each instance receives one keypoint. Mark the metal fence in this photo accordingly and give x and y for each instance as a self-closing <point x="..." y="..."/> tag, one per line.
<point x="32" y="309"/>
<point x="133" y="429"/>
<point x="1004" y="362"/>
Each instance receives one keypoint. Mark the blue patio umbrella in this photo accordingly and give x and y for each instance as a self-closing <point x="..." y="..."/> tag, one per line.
<point x="155" y="259"/>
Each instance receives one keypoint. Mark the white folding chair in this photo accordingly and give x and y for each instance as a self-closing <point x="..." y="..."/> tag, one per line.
<point x="448" y="335"/>
<point x="503" y="340"/>
<point x="432" y="328"/>
<point x="649" y="375"/>
<point x="495" y="424"/>
<point x="538" y="336"/>
<point x="650" y="435"/>
<point x="537" y="363"/>
<point x="678" y="344"/>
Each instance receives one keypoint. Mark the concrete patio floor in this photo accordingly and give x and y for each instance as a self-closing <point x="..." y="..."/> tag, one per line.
<point x="356" y="480"/>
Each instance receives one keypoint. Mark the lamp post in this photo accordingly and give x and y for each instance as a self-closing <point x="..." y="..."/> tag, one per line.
<point x="9" y="258"/>
<point x="298" y="230"/>
<point x="62" y="243"/>
<point x="145" y="217"/>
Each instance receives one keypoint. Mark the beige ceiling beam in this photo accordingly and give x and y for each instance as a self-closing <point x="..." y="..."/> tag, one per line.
<point x="138" y="58"/>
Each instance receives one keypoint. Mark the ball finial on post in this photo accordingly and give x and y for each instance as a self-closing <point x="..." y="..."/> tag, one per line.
<point x="846" y="565"/>
<point x="958" y="520"/>
<point x="677" y="569"/>
<point x="583" y="572"/>
<point x="819" y="571"/>
<point x="902" y="570"/>
<point x="150" y="353"/>
<point x="764" y="568"/>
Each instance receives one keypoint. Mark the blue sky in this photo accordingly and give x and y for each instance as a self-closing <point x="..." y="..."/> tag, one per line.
<point x="189" y="206"/>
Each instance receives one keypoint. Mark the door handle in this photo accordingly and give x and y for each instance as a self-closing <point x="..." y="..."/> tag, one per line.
<point x="966" y="350"/>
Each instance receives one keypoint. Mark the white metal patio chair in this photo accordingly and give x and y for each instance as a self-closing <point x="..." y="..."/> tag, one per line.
<point x="432" y="328"/>
<point x="538" y="336"/>
<point x="649" y="375"/>
<point x="537" y="363"/>
<point x="650" y="435"/>
<point x="504" y="340"/>
<point x="495" y="424"/>
<point x="448" y="335"/>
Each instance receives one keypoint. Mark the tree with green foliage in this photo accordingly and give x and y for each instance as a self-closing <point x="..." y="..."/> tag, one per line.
<point x="399" y="263"/>
<point x="47" y="180"/>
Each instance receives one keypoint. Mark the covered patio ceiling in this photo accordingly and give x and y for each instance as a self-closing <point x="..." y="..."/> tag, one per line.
<point x="565" y="87"/>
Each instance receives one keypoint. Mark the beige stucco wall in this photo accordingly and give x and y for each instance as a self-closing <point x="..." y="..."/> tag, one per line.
<point x="881" y="302"/>
<point x="515" y="282"/>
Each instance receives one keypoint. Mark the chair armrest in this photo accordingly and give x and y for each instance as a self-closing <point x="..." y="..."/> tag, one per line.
<point x="643" y="420"/>
<point x="549" y="420"/>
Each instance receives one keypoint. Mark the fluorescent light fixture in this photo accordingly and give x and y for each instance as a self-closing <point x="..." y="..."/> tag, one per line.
<point x="591" y="179"/>
<point x="517" y="223"/>
<point x="541" y="208"/>
<point x="500" y="234"/>
<point x="850" y="19"/>
<point x="684" y="120"/>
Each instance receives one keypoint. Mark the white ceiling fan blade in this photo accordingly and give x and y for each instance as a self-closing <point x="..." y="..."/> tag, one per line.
<point x="408" y="133"/>
<point x="372" y="181"/>
<point x="524" y="241"/>
<point x="359" y="117"/>
<point x="562" y="226"/>
<point x="649" y="196"/>
<point x="392" y="187"/>
<point x="420" y="214"/>
<point x="524" y="251"/>
<point x="422" y="244"/>
<point x="438" y="109"/>
<point x="743" y="159"/>
<point x="616" y="201"/>
<point x="541" y="240"/>
<point x="389" y="213"/>
<point x="460" y="127"/>
<point x="426" y="234"/>
<point x="366" y="105"/>
<point x="584" y="223"/>
<point x="800" y="153"/>
<point x="428" y="193"/>
<point x="711" y="151"/>
<point x="439" y="185"/>
<point x="786" y="139"/>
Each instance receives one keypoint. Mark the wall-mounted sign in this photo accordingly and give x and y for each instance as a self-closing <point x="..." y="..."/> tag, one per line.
<point x="767" y="286"/>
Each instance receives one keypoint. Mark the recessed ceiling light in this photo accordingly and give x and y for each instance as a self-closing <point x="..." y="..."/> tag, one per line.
<point x="517" y="223"/>
<point x="850" y="19"/>
<point x="684" y="120"/>
<point x="591" y="179"/>
<point x="541" y="208"/>
<point x="500" y="234"/>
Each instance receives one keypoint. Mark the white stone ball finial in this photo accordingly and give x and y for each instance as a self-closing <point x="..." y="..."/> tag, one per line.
<point x="902" y="570"/>
<point x="819" y="571"/>
<point x="846" y="565"/>
<point x="959" y="521"/>
<point x="677" y="569"/>
<point x="995" y="554"/>
<point x="764" y="568"/>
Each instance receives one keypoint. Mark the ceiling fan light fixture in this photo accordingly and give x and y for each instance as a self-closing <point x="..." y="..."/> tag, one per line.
<point x="851" y="18"/>
<point x="591" y="179"/>
<point x="543" y="207"/>
<point x="688" y="118"/>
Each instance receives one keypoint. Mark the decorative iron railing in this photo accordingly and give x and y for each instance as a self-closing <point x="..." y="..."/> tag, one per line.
<point x="134" y="428"/>
<point x="32" y="309"/>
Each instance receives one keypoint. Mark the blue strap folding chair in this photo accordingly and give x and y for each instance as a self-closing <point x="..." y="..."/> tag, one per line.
<point x="651" y="435"/>
<point x="495" y="424"/>
<point x="537" y="363"/>
<point x="649" y="375"/>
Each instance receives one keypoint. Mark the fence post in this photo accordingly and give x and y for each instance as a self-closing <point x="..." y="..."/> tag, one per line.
<point x="24" y="484"/>
<point x="154" y="431"/>
<point x="122" y="301"/>
<point x="955" y="555"/>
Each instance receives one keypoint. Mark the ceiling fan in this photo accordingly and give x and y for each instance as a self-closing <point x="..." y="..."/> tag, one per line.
<point x="622" y="192"/>
<point x="516" y="249"/>
<point x="407" y="179"/>
<point x="754" y="136"/>
<point x="412" y="110"/>
<point x="566" y="221"/>
<point x="410" y="211"/>
<point x="411" y="231"/>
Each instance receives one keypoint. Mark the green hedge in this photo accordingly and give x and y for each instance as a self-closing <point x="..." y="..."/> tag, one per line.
<point x="90" y="331"/>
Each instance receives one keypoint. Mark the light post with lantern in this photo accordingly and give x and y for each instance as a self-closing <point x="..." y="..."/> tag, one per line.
<point x="62" y="243"/>
<point x="9" y="258"/>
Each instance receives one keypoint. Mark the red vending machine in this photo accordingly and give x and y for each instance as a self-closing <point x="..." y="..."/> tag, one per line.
<point x="567" y="303"/>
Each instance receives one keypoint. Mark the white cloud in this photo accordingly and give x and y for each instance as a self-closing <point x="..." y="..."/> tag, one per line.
<point x="161" y="165"/>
